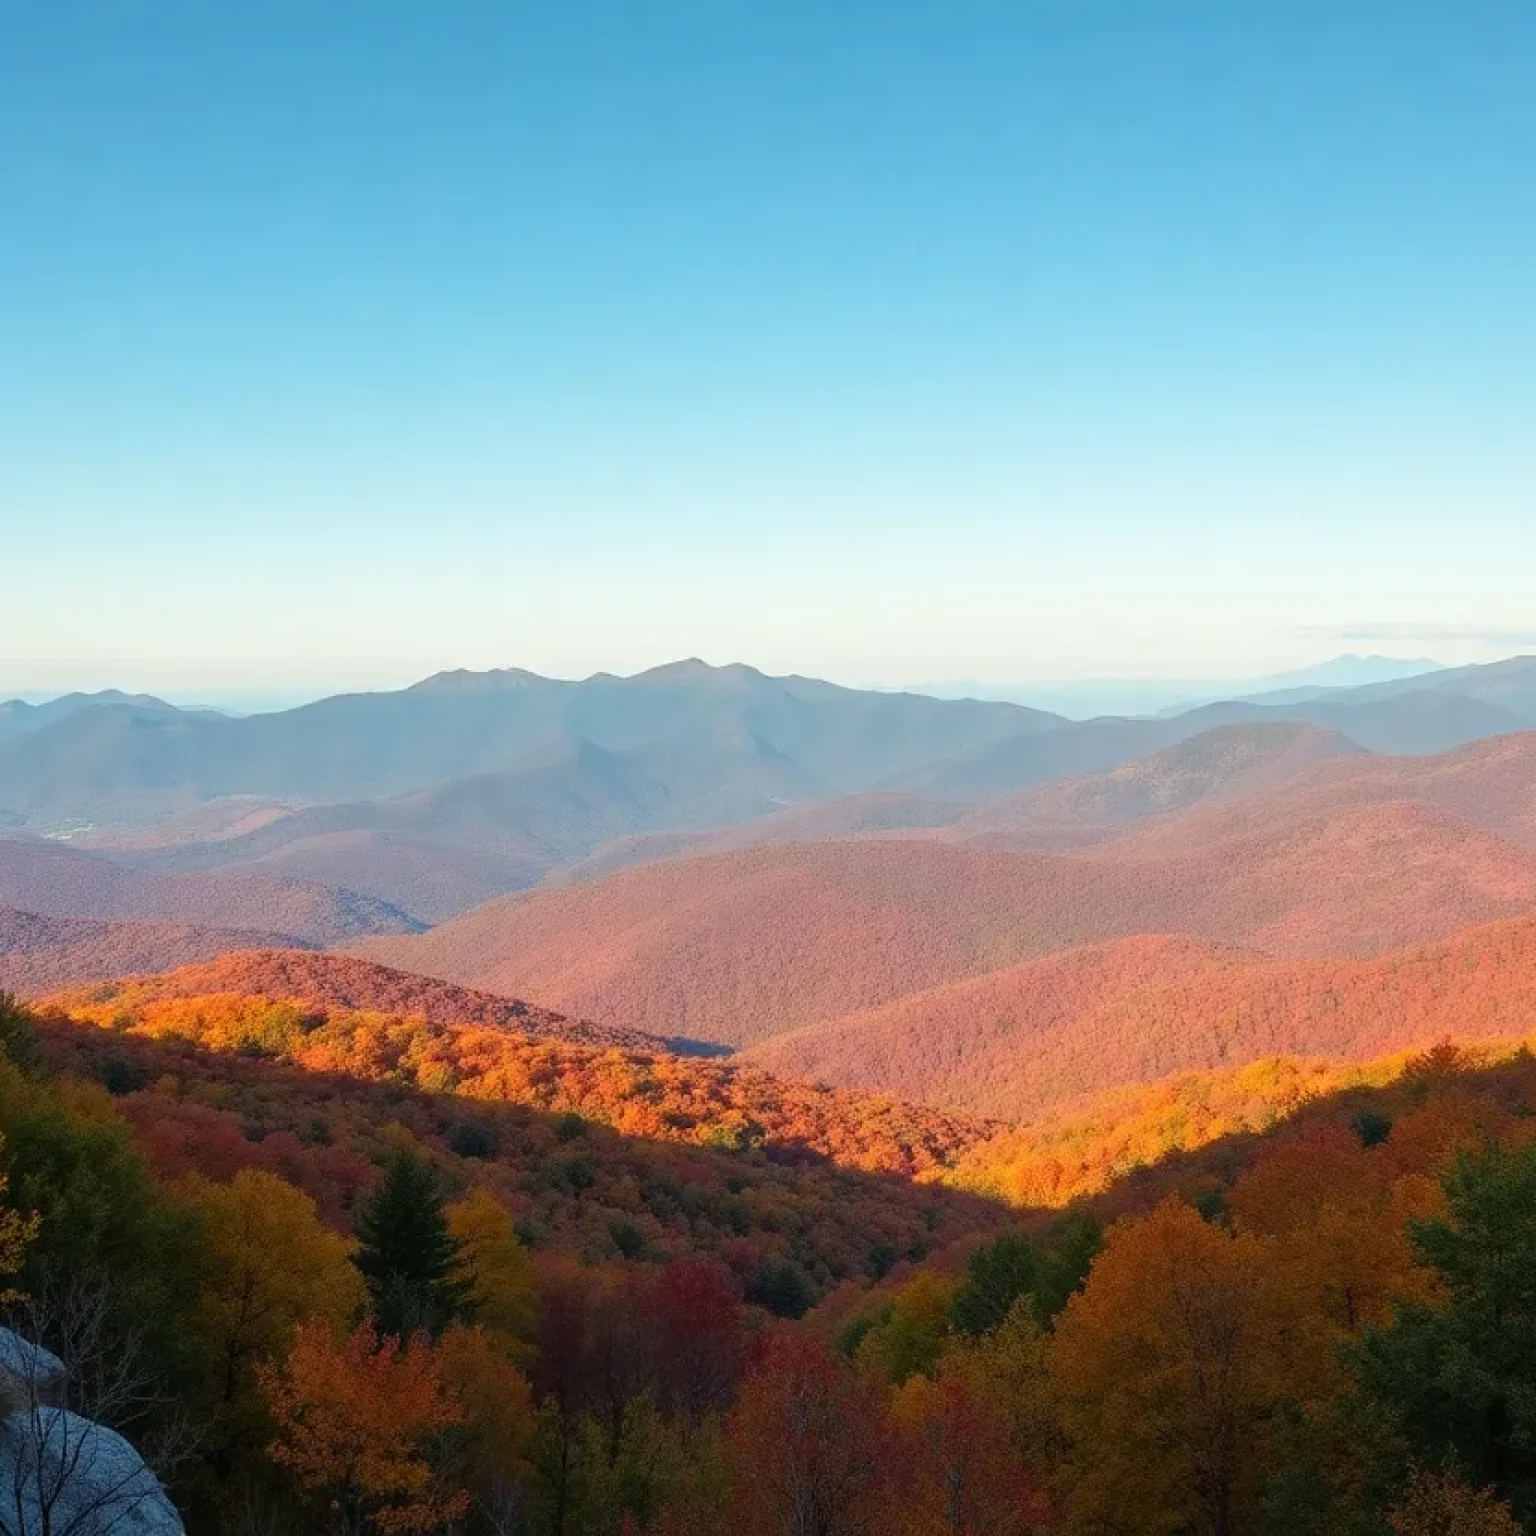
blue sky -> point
(996, 339)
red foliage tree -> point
(810, 1450)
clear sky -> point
(885, 341)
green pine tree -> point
(1014, 1265)
(407, 1256)
(18, 1035)
(996, 1275)
(1458, 1381)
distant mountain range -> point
(128, 762)
(1086, 699)
(981, 905)
(17, 717)
(467, 786)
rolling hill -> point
(325, 981)
(411, 1034)
(848, 816)
(435, 852)
(1352, 882)
(1050, 1030)
(209, 821)
(1489, 785)
(1241, 780)
(1414, 722)
(57, 880)
(737, 947)
(42, 954)
(1219, 764)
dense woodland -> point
(347, 1249)
(363, 1288)
(1023, 1039)
(743, 947)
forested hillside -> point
(42, 954)
(1139, 1154)
(57, 880)
(739, 947)
(318, 982)
(443, 1310)
(1019, 1040)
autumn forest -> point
(1006, 1128)
(767, 768)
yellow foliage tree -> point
(1011, 1368)
(910, 1338)
(1343, 1224)
(268, 1264)
(498, 1426)
(497, 1270)
(16, 1235)
(1170, 1368)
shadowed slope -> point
(328, 1115)
(1219, 764)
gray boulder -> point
(61, 1475)
(28, 1373)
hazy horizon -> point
(1124, 693)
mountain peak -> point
(462, 680)
(693, 669)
